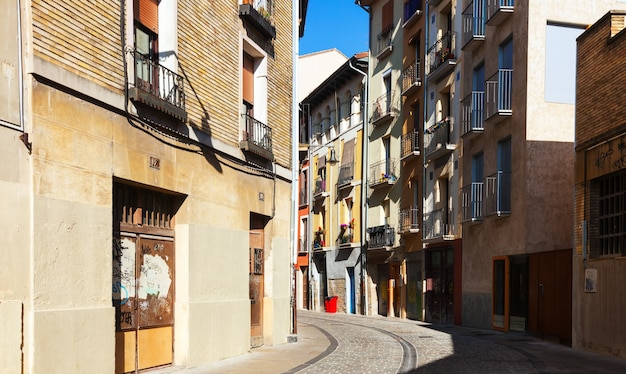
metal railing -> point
(381, 236)
(158, 80)
(319, 186)
(410, 143)
(384, 41)
(256, 132)
(473, 112)
(383, 171)
(437, 135)
(409, 219)
(498, 193)
(495, 6)
(441, 51)
(382, 106)
(411, 76)
(439, 223)
(498, 93)
(474, 21)
(472, 202)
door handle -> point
(541, 288)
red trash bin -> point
(330, 304)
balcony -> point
(410, 145)
(384, 44)
(437, 141)
(303, 246)
(381, 237)
(409, 221)
(411, 79)
(498, 96)
(158, 87)
(498, 194)
(412, 12)
(346, 175)
(473, 19)
(439, 224)
(434, 3)
(498, 11)
(441, 59)
(472, 202)
(259, 16)
(383, 110)
(383, 174)
(303, 197)
(472, 109)
(346, 237)
(319, 189)
(257, 137)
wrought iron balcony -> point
(410, 145)
(437, 141)
(472, 202)
(440, 56)
(384, 44)
(320, 188)
(303, 246)
(473, 19)
(259, 15)
(498, 194)
(498, 11)
(409, 220)
(411, 79)
(346, 175)
(383, 173)
(303, 197)
(412, 11)
(472, 109)
(346, 236)
(498, 96)
(381, 237)
(158, 87)
(257, 137)
(439, 224)
(383, 109)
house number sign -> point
(155, 163)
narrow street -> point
(343, 343)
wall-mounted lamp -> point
(333, 157)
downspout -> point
(364, 166)
(424, 180)
(294, 159)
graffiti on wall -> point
(607, 157)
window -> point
(477, 186)
(611, 215)
(146, 44)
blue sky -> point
(337, 24)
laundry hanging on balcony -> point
(444, 122)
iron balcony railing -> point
(437, 135)
(498, 193)
(410, 143)
(257, 133)
(439, 224)
(304, 195)
(303, 246)
(319, 186)
(474, 21)
(381, 236)
(472, 202)
(384, 42)
(382, 106)
(158, 81)
(409, 219)
(441, 51)
(346, 174)
(495, 7)
(383, 172)
(472, 108)
(411, 77)
(411, 7)
(498, 93)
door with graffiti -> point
(143, 296)
(256, 287)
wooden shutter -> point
(147, 13)
(387, 16)
(248, 78)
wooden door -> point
(500, 295)
(256, 287)
(554, 295)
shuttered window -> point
(147, 13)
(248, 78)
(387, 16)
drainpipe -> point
(294, 161)
(424, 180)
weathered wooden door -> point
(256, 287)
(143, 295)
